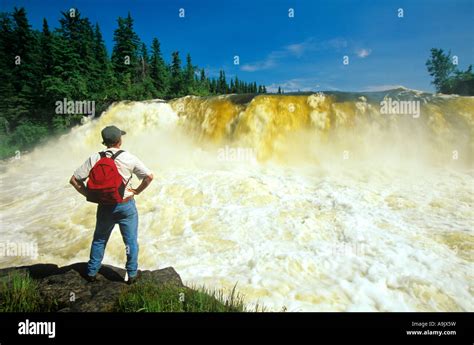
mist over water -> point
(333, 207)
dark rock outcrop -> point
(68, 287)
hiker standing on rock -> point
(108, 175)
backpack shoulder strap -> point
(116, 154)
(112, 155)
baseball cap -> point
(111, 134)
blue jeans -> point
(126, 216)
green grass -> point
(145, 296)
(20, 293)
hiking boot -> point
(133, 280)
(91, 279)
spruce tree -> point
(158, 70)
(46, 49)
(204, 85)
(143, 62)
(8, 115)
(189, 76)
(177, 80)
(75, 57)
(43, 103)
(237, 85)
(26, 68)
(222, 87)
(143, 88)
(125, 52)
(103, 79)
(213, 86)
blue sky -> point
(301, 53)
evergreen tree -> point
(43, 104)
(143, 62)
(213, 86)
(189, 76)
(74, 55)
(46, 49)
(125, 52)
(204, 84)
(237, 85)
(103, 82)
(26, 67)
(8, 115)
(177, 80)
(143, 88)
(158, 70)
(222, 84)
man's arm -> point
(81, 174)
(78, 185)
(145, 183)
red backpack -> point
(105, 185)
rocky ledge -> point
(73, 293)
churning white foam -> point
(317, 238)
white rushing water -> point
(351, 237)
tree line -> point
(38, 68)
(447, 78)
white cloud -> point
(298, 49)
(337, 43)
(312, 45)
(294, 50)
(269, 62)
(272, 59)
(363, 53)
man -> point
(123, 212)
